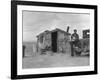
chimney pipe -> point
(67, 29)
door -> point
(54, 41)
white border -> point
(21, 71)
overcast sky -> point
(37, 22)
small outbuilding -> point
(56, 40)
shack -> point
(56, 41)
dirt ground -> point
(55, 60)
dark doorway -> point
(54, 41)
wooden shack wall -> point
(63, 43)
(46, 41)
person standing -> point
(74, 41)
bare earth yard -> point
(55, 60)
